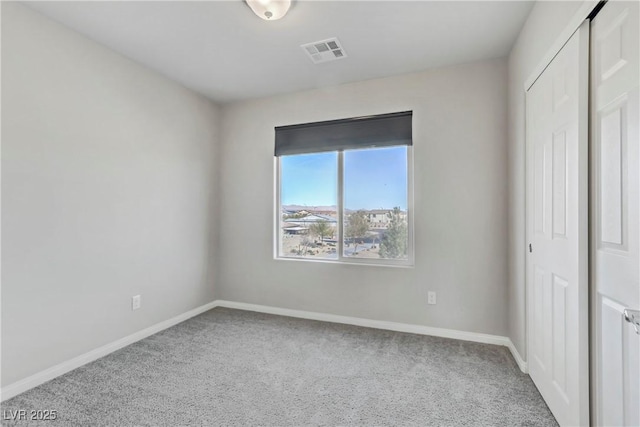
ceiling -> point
(222, 50)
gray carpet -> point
(229, 367)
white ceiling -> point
(222, 50)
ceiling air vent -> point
(324, 50)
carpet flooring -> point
(230, 367)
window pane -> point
(308, 213)
(375, 203)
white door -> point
(557, 229)
(615, 226)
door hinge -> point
(530, 248)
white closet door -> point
(557, 229)
(615, 229)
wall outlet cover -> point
(431, 297)
(136, 302)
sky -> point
(373, 178)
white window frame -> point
(341, 259)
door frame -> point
(585, 11)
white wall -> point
(107, 178)
(460, 157)
(545, 23)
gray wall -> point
(460, 157)
(545, 23)
(107, 178)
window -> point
(308, 211)
(344, 190)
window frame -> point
(341, 258)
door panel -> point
(612, 167)
(559, 201)
(557, 180)
(537, 329)
(615, 229)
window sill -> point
(366, 263)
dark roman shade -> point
(334, 135)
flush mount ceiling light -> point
(269, 10)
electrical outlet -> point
(136, 302)
(431, 297)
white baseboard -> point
(48, 374)
(519, 360)
(381, 324)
